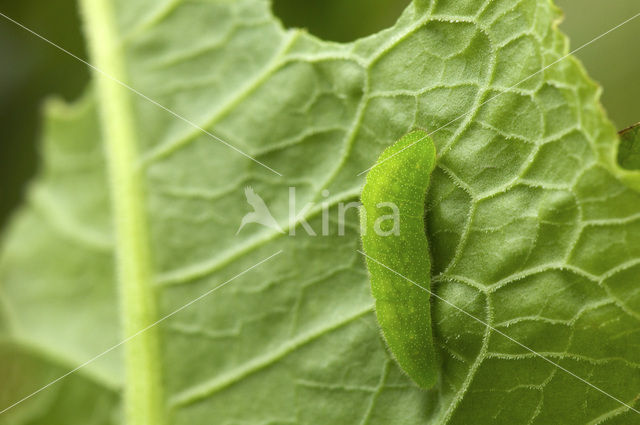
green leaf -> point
(533, 226)
(629, 149)
(397, 251)
(77, 400)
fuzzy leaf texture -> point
(532, 225)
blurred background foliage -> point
(31, 69)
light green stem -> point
(143, 395)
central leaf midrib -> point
(143, 392)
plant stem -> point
(143, 395)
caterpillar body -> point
(398, 261)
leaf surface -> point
(629, 149)
(532, 225)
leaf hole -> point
(339, 20)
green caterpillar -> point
(397, 252)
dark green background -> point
(30, 69)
